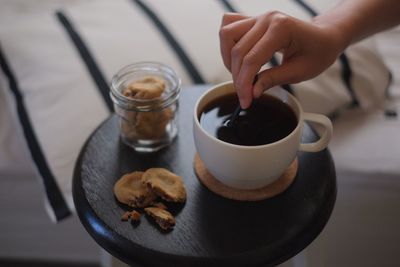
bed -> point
(57, 58)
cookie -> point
(145, 124)
(165, 184)
(130, 190)
(152, 124)
(148, 87)
(162, 217)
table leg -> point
(107, 260)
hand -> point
(247, 43)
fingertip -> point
(245, 97)
(258, 90)
(256, 93)
(244, 103)
(264, 83)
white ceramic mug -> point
(251, 167)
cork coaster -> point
(271, 190)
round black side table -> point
(210, 230)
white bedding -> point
(365, 145)
(364, 227)
(367, 140)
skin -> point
(307, 48)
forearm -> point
(247, 43)
(354, 20)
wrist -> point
(340, 33)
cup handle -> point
(326, 136)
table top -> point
(210, 230)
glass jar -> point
(146, 123)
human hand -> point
(247, 43)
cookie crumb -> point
(126, 216)
(135, 215)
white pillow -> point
(62, 64)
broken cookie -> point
(130, 190)
(141, 189)
(162, 217)
(126, 216)
(165, 184)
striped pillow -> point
(57, 59)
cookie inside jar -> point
(146, 124)
(145, 97)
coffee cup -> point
(252, 167)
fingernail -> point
(243, 103)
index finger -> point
(228, 18)
(234, 26)
(259, 54)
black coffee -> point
(266, 121)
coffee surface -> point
(266, 121)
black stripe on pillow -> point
(228, 6)
(180, 52)
(274, 62)
(53, 193)
(307, 8)
(346, 73)
(87, 57)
